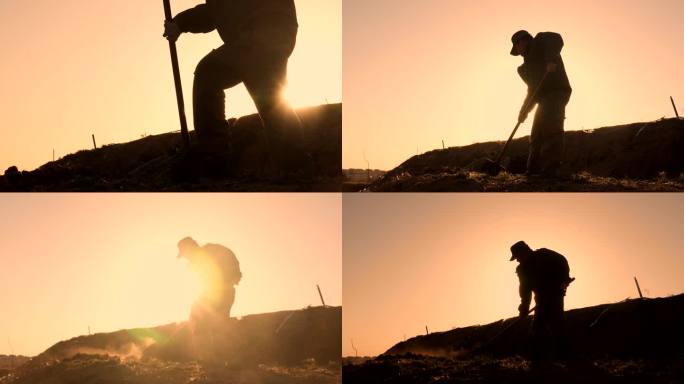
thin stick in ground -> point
(638, 287)
(356, 351)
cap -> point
(518, 36)
(518, 248)
(185, 244)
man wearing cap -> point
(544, 72)
(219, 271)
(547, 274)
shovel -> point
(494, 167)
(177, 81)
(482, 347)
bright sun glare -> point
(195, 285)
(189, 283)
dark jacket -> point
(237, 21)
(543, 49)
(546, 273)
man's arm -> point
(195, 20)
(525, 294)
(527, 106)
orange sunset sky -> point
(72, 68)
(412, 260)
(419, 72)
(108, 261)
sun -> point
(195, 284)
(188, 283)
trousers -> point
(546, 140)
(548, 327)
(261, 66)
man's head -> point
(520, 251)
(520, 40)
(187, 247)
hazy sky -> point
(418, 72)
(70, 261)
(72, 68)
(413, 260)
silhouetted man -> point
(546, 274)
(219, 272)
(259, 37)
(543, 71)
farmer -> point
(259, 37)
(219, 271)
(546, 273)
(543, 71)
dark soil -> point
(104, 369)
(241, 160)
(633, 157)
(282, 347)
(418, 369)
(635, 341)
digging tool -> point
(509, 326)
(177, 80)
(494, 167)
(504, 330)
(517, 320)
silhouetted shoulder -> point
(219, 250)
(226, 260)
(552, 263)
(549, 254)
(550, 40)
(548, 36)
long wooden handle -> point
(527, 104)
(177, 81)
(505, 329)
(510, 138)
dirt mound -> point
(634, 341)
(158, 163)
(640, 156)
(287, 344)
(633, 328)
